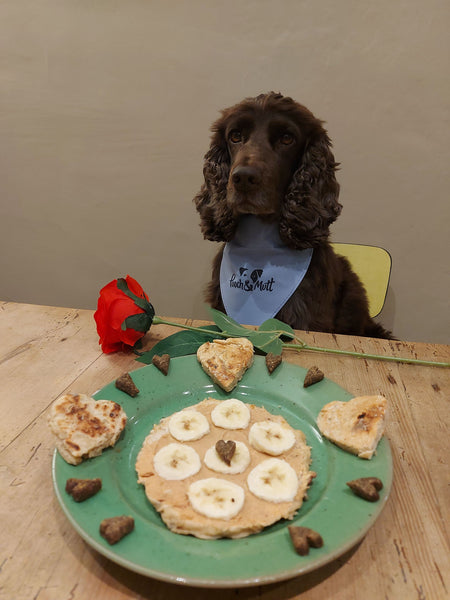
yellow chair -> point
(373, 266)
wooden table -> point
(46, 351)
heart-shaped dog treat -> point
(273, 361)
(225, 361)
(126, 384)
(82, 489)
(356, 425)
(226, 450)
(366, 487)
(161, 362)
(314, 375)
(115, 528)
(304, 538)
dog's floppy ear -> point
(216, 219)
(311, 202)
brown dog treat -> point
(115, 528)
(366, 487)
(82, 489)
(313, 375)
(226, 450)
(303, 538)
(125, 384)
(161, 362)
(273, 361)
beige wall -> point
(104, 114)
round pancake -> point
(170, 498)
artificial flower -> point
(124, 314)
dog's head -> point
(271, 157)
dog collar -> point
(258, 273)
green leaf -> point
(140, 322)
(282, 329)
(141, 302)
(228, 325)
(266, 342)
(266, 338)
(180, 343)
(275, 347)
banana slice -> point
(176, 461)
(273, 480)
(271, 437)
(216, 498)
(231, 414)
(188, 425)
(239, 461)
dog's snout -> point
(245, 178)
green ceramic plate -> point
(151, 549)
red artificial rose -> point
(113, 307)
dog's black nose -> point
(245, 178)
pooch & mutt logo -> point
(252, 282)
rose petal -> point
(135, 287)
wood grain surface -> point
(47, 351)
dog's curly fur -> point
(269, 156)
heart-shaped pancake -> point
(356, 425)
(84, 427)
(225, 361)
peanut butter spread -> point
(171, 497)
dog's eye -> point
(235, 136)
(287, 139)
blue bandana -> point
(258, 273)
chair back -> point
(373, 266)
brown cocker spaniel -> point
(271, 158)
